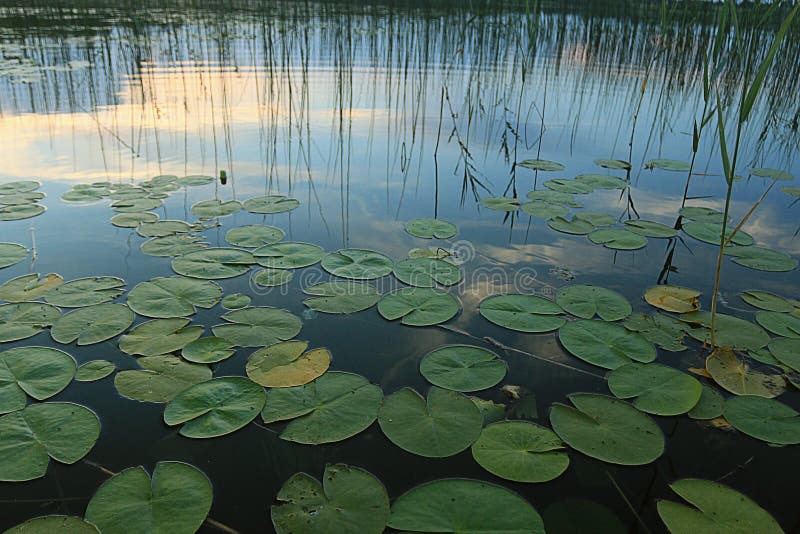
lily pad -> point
(651, 229)
(543, 210)
(216, 407)
(20, 211)
(792, 191)
(357, 264)
(161, 379)
(430, 228)
(663, 330)
(607, 429)
(656, 389)
(606, 345)
(62, 431)
(596, 218)
(234, 301)
(730, 331)
(272, 277)
(427, 272)
(135, 204)
(271, 204)
(418, 306)
(40, 372)
(173, 245)
(86, 291)
(786, 351)
(762, 259)
(258, 326)
(717, 508)
(464, 506)
(554, 197)
(602, 181)
(764, 419)
(159, 336)
(773, 174)
(617, 239)
(462, 368)
(287, 364)
(711, 233)
(208, 350)
(520, 451)
(132, 220)
(25, 319)
(523, 313)
(11, 253)
(177, 499)
(339, 296)
(702, 214)
(574, 226)
(587, 301)
(288, 255)
(349, 499)
(92, 324)
(501, 203)
(29, 287)
(667, 165)
(673, 298)
(616, 164)
(444, 425)
(736, 376)
(254, 235)
(54, 523)
(568, 186)
(333, 407)
(163, 228)
(710, 406)
(19, 186)
(766, 301)
(214, 263)
(216, 208)
(94, 370)
(780, 324)
(542, 165)
(174, 296)
(195, 179)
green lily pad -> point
(135, 204)
(774, 174)
(736, 376)
(780, 324)
(717, 508)
(20, 211)
(570, 186)
(596, 218)
(662, 330)
(62, 431)
(92, 324)
(762, 259)
(208, 350)
(616, 164)
(673, 298)
(710, 406)
(418, 306)
(586, 301)
(195, 179)
(554, 197)
(339, 296)
(656, 389)
(16, 199)
(730, 331)
(543, 210)
(463, 368)
(163, 228)
(709, 232)
(94, 370)
(40, 372)
(349, 499)
(19, 186)
(607, 429)
(258, 326)
(11, 253)
(177, 499)
(444, 425)
(430, 228)
(173, 245)
(85, 195)
(667, 165)
(287, 364)
(173, 296)
(573, 226)
(617, 239)
(159, 336)
(54, 523)
(271, 204)
(216, 208)
(520, 451)
(288, 255)
(792, 191)
(254, 235)
(464, 506)
(22, 320)
(132, 220)
(501, 203)
(651, 229)
(602, 181)
(702, 214)
(234, 301)
(272, 277)
(214, 263)
(333, 407)
(542, 165)
(523, 313)
(86, 291)
(216, 407)
(606, 345)
(357, 264)
(427, 272)
(764, 419)
(766, 301)
(29, 287)
(161, 378)
(490, 411)
(786, 351)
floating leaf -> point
(161, 379)
(216, 208)
(656, 389)
(86, 291)
(20, 211)
(490, 410)
(11, 253)
(271, 204)
(667, 165)
(554, 197)
(780, 324)
(340, 296)
(177, 499)
(602, 181)
(418, 306)
(523, 313)
(135, 205)
(92, 324)
(462, 368)
(41, 372)
(349, 499)
(173, 245)
(288, 255)
(464, 506)
(159, 336)
(574, 226)
(616, 164)
(538, 208)
(427, 272)
(730, 331)
(793, 191)
(287, 364)
(764, 419)
(607, 429)
(651, 229)
(617, 239)
(663, 330)
(258, 326)
(21, 198)
(20, 186)
(762, 259)
(520, 451)
(173, 296)
(606, 345)
(272, 277)
(710, 405)
(195, 179)
(333, 407)
(214, 263)
(255, 235)
(736, 377)
(702, 214)
(430, 228)
(501, 203)
(62, 431)
(54, 523)
(163, 228)
(773, 174)
(786, 351)
(24, 319)
(718, 508)
(568, 186)
(673, 298)
(357, 264)
(709, 232)
(234, 301)
(596, 218)
(29, 287)
(766, 301)
(541, 165)
(94, 370)
(208, 350)
(586, 301)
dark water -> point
(372, 116)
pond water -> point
(372, 116)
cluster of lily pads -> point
(20, 200)
(287, 383)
